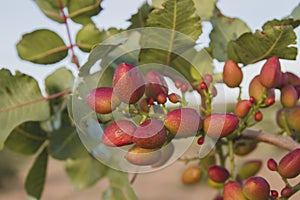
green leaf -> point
(272, 41)
(296, 12)
(119, 187)
(139, 19)
(158, 3)
(127, 52)
(98, 52)
(81, 11)
(183, 27)
(65, 142)
(205, 8)
(198, 63)
(26, 139)
(16, 94)
(177, 15)
(51, 9)
(60, 80)
(36, 177)
(89, 36)
(283, 22)
(42, 47)
(85, 172)
(224, 30)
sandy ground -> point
(164, 184)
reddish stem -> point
(65, 18)
(54, 96)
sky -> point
(23, 16)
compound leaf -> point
(274, 40)
(224, 30)
(178, 27)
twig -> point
(284, 142)
(133, 178)
(67, 91)
(65, 18)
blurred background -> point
(18, 17)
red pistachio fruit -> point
(155, 84)
(161, 98)
(293, 79)
(191, 175)
(293, 118)
(233, 191)
(256, 188)
(183, 122)
(286, 192)
(144, 106)
(242, 108)
(272, 164)
(166, 153)
(289, 165)
(128, 83)
(102, 100)
(242, 147)
(118, 133)
(270, 74)
(174, 98)
(218, 174)
(140, 156)
(289, 96)
(232, 74)
(258, 116)
(150, 134)
(220, 125)
(256, 89)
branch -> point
(284, 142)
(65, 18)
(54, 96)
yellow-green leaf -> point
(139, 19)
(51, 9)
(42, 46)
(205, 8)
(296, 12)
(178, 28)
(90, 35)
(224, 30)
(81, 11)
(21, 101)
(274, 40)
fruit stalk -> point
(296, 188)
(231, 157)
